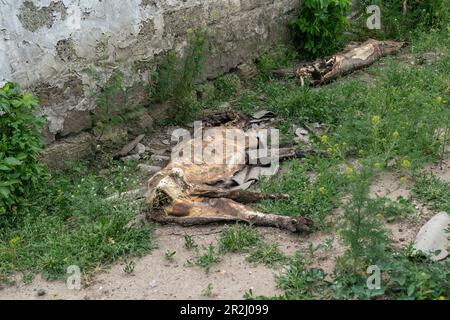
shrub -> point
(176, 76)
(320, 25)
(20, 144)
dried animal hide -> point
(354, 58)
(192, 194)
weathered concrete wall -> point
(60, 48)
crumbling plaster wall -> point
(60, 48)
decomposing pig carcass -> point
(206, 183)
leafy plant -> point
(361, 231)
(169, 255)
(189, 242)
(300, 281)
(208, 291)
(20, 144)
(129, 266)
(208, 259)
(175, 77)
(320, 24)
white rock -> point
(152, 284)
(433, 236)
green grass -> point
(67, 222)
(312, 199)
(238, 238)
(208, 259)
(433, 191)
(268, 254)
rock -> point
(76, 122)
(111, 136)
(157, 157)
(152, 284)
(129, 195)
(433, 236)
(133, 157)
(144, 168)
(78, 147)
(49, 137)
(130, 146)
(40, 292)
(140, 149)
(159, 151)
(301, 135)
(166, 142)
(145, 122)
(301, 132)
(246, 71)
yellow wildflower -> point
(324, 138)
(349, 170)
(330, 150)
(322, 190)
(441, 298)
(377, 165)
(376, 119)
(379, 216)
(395, 134)
(406, 163)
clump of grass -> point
(189, 242)
(299, 281)
(129, 266)
(266, 253)
(169, 255)
(432, 190)
(209, 258)
(238, 238)
(208, 291)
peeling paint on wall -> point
(56, 48)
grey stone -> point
(133, 157)
(40, 292)
(144, 168)
(157, 157)
(130, 146)
(77, 147)
(76, 122)
(140, 149)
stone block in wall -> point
(76, 122)
(59, 154)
